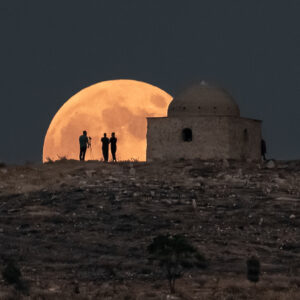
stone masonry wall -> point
(213, 138)
(245, 138)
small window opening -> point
(187, 135)
(184, 108)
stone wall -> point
(245, 138)
(213, 138)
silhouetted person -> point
(113, 146)
(105, 143)
(83, 142)
(263, 148)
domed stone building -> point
(203, 122)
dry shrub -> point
(59, 159)
(117, 292)
(9, 293)
(56, 219)
(232, 293)
(39, 294)
(49, 160)
(62, 158)
(125, 296)
(184, 294)
(148, 295)
(253, 269)
(238, 293)
(287, 295)
(11, 274)
(175, 255)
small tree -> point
(12, 275)
(176, 255)
(253, 269)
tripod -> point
(90, 147)
(91, 153)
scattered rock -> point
(90, 173)
(228, 177)
(225, 163)
(194, 203)
(132, 172)
(280, 181)
(240, 172)
(283, 166)
(172, 297)
(270, 164)
(283, 198)
(114, 214)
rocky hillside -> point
(81, 230)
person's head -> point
(84, 132)
(104, 134)
(113, 134)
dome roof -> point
(202, 99)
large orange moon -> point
(119, 106)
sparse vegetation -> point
(78, 236)
(11, 272)
(49, 160)
(62, 158)
(176, 255)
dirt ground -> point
(81, 230)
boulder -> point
(270, 164)
(3, 171)
(132, 171)
(90, 173)
(225, 163)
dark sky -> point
(52, 49)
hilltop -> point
(81, 230)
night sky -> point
(52, 49)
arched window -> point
(187, 135)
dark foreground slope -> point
(80, 230)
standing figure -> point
(263, 149)
(105, 143)
(113, 146)
(83, 143)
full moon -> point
(119, 106)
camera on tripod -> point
(89, 142)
